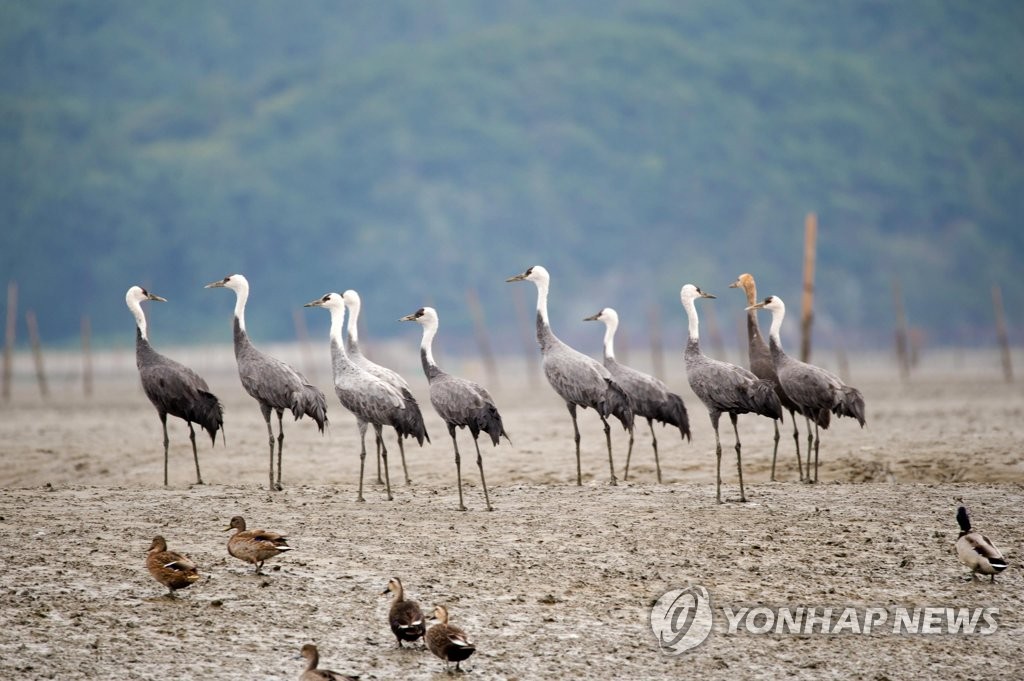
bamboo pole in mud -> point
(525, 323)
(86, 356)
(807, 308)
(483, 340)
(657, 348)
(37, 351)
(902, 351)
(12, 321)
(1001, 333)
(302, 335)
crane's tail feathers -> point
(489, 421)
(850, 403)
(673, 412)
(409, 421)
(764, 401)
(617, 404)
(208, 413)
(310, 401)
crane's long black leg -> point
(810, 444)
(362, 456)
(384, 456)
(265, 409)
(608, 439)
(796, 440)
(195, 453)
(380, 480)
(167, 442)
(817, 442)
(576, 436)
(775, 449)
(401, 450)
(458, 464)
(739, 463)
(480, 465)
(629, 455)
(280, 446)
(718, 458)
(654, 443)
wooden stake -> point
(37, 351)
(302, 334)
(657, 350)
(12, 321)
(483, 341)
(807, 310)
(714, 333)
(1001, 333)
(86, 356)
(902, 351)
(525, 323)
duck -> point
(312, 656)
(975, 550)
(405, 616)
(171, 569)
(448, 641)
(254, 546)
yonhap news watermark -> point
(682, 619)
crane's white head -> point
(425, 315)
(235, 282)
(351, 299)
(332, 301)
(772, 303)
(690, 293)
(537, 274)
(607, 315)
(137, 294)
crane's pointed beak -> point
(156, 298)
(735, 284)
(518, 277)
(408, 318)
(706, 295)
(314, 303)
(215, 284)
(755, 306)
(592, 318)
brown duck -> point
(171, 569)
(405, 617)
(448, 641)
(254, 546)
(312, 656)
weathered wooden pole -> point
(12, 322)
(302, 335)
(902, 351)
(807, 309)
(37, 350)
(86, 356)
(483, 340)
(657, 349)
(1001, 333)
(525, 323)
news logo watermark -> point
(682, 619)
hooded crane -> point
(578, 379)
(648, 396)
(817, 393)
(353, 305)
(460, 403)
(173, 388)
(723, 387)
(272, 383)
(761, 366)
(370, 399)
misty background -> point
(420, 151)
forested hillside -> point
(413, 150)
